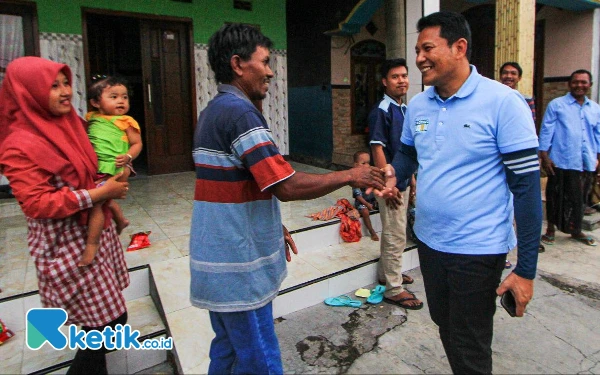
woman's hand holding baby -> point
(116, 189)
(111, 189)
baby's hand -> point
(122, 160)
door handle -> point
(149, 95)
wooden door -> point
(168, 96)
(482, 19)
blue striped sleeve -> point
(523, 177)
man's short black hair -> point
(391, 64)
(514, 65)
(453, 26)
(581, 71)
(233, 39)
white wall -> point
(567, 41)
(415, 9)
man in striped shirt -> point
(474, 143)
(238, 246)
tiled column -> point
(515, 36)
(395, 25)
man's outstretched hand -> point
(367, 177)
(389, 189)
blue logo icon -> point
(43, 325)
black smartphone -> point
(508, 302)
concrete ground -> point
(560, 332)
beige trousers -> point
(393, 243)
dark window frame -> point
(28, 11)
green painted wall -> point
(64, 16)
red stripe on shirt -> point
(268, 143)
(271, 170)
(229, 192)
(200, 165)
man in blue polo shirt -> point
(569, 147)
(474, 143)
(385, 129)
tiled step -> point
(325, 266)
(142, 316)
(591, 222)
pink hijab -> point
(58, 144)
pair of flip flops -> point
(547, 239)
(373, 296)
(342, 300)
(376, 295)
(402, 303)
(587, 240)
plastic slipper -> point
(362, 292)
(548, 240)
(406, 280)
(586, 240)
(376, 295)
(401, 303)
(343, 300)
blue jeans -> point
(245, 343)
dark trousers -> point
(461, 294)
(88, 361)
(567, 194)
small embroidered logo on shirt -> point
(467, 126)
(421, 125)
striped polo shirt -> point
(237, 257)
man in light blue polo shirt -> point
(569, 147)
(474, 143)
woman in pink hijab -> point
(50, 164)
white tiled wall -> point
(139, 285)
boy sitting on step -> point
(363, 202)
